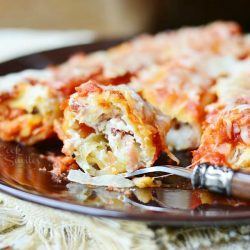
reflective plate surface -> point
(25, 174)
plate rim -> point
(159, 218)
(155, 218)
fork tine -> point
(168, 169)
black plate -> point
(25, 174)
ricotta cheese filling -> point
(184, 136)
(111, 149)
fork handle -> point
(240, 185)
(221, 180)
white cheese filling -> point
(183, 137)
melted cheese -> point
(8, 82)
(33, 97)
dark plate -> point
(25, 174)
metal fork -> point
(219, 179)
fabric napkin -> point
(24, 225)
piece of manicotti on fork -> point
(110, 130)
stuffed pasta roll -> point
(111, 130)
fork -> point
(215, 178)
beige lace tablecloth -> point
(25, 225)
